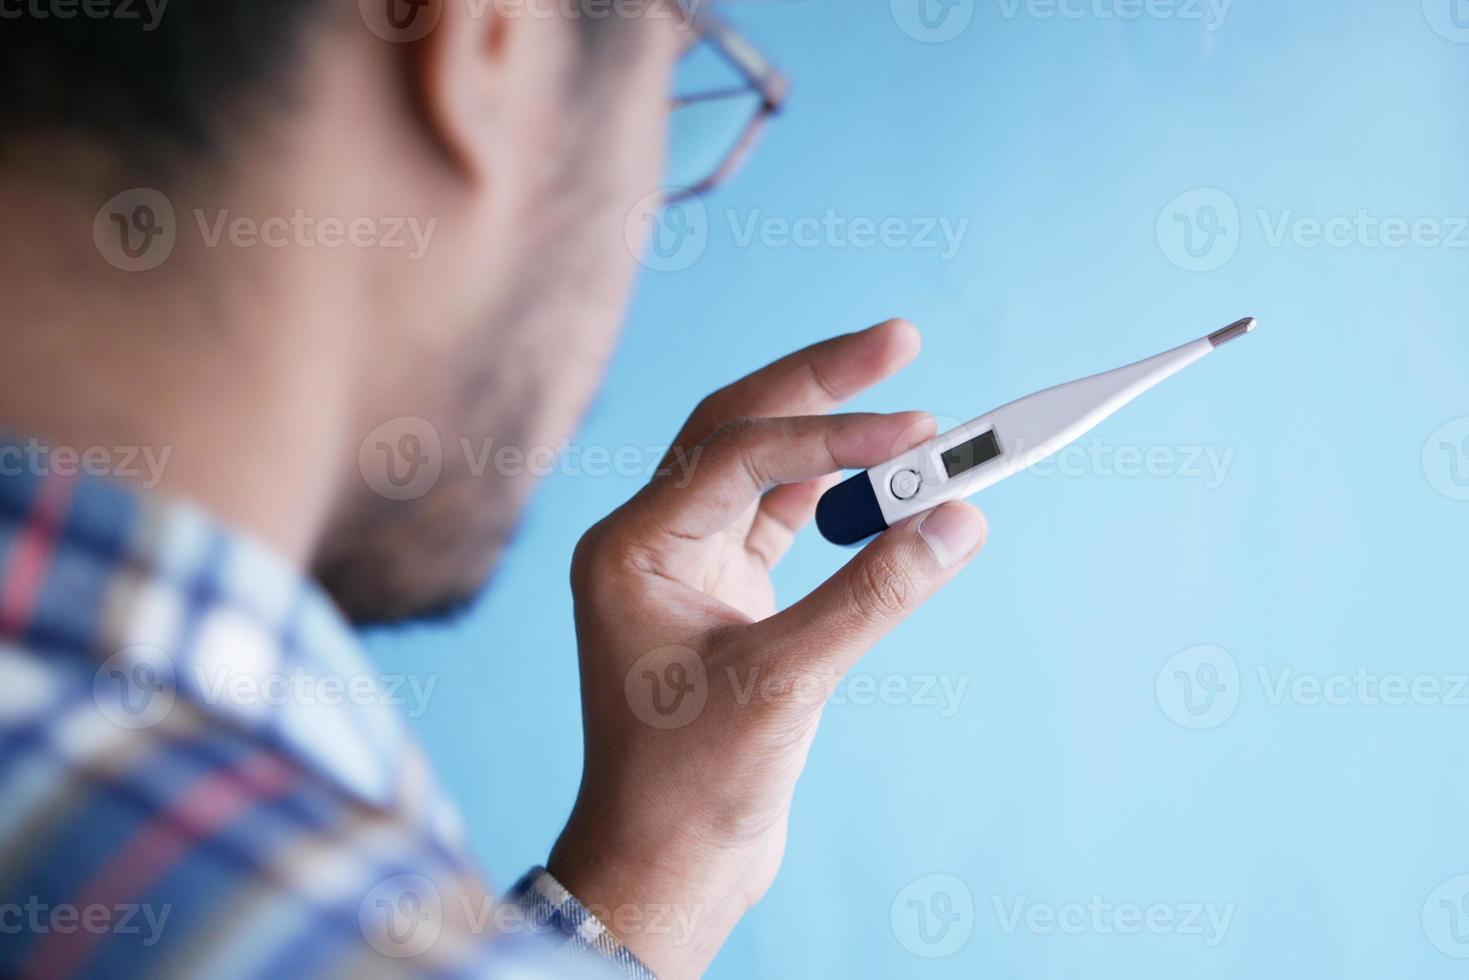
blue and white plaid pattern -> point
(171, 804)
(550, 907)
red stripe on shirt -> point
(200, 812)
(20, 581)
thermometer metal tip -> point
(1236, 329)
(986, 450)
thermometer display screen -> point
(976, 452)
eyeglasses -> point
(735, 92)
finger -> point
(812, 381)
(736, 466)
(782, 514)
(787, 509)
(832, 627)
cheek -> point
(627, 117)
(648, 135)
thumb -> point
(876, 590)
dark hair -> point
(151, 78)
(148, 76)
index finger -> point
(746, 458)
(812, 381)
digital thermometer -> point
(981, 453)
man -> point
(189, 516)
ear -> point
(463, 69)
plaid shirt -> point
(199, 775)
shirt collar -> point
(170, 603)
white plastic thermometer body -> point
(1005, 441)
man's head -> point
(479, 157)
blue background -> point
(1064, 775)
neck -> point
(228, 367)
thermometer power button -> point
(905, 484)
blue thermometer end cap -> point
(848, 513)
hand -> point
(700, 699)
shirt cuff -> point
(554, 912)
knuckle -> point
(713, 409)
(599, 550)
(738, 433)
(737, 441)
(885, 590)
(584, 559)
(819, 379)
